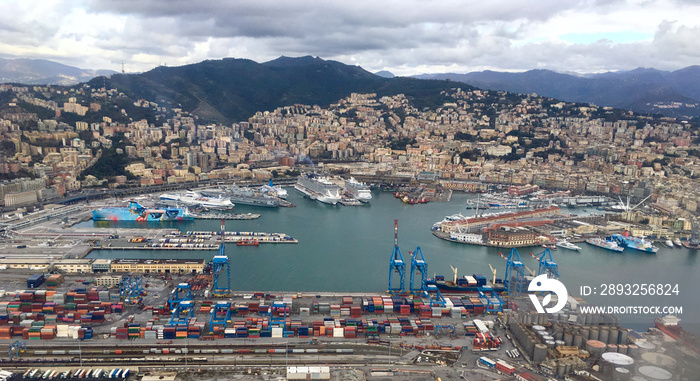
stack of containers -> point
(104, 296)
(355, 312)
(133, 330)
(335, 310)
(54, 281)
(205, 307)
(120, 333)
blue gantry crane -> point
(16, 348)
(418, 264)
(131, 289)
(278, 314)
(396, 265)
(182, 292)
(221, 267)
(183, 312)
(436, 298)
(515, 274)
(220, 315)
(547, 264)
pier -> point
(226, 216)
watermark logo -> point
(543, 284)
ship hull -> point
(603, 246)
(126, 214)
(315, 196)
(454, 289)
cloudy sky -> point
(403, 36)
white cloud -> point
(405, 37)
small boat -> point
(678, 242)
(550, 247)
(668, 243)
(568, 245)
(248, 242)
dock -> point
(349, 202)
(226, 216)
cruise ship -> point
(358, 190)
(247, 196)
(318, 188)
(603, 244)
(634, 243)
(194, 198)
(137, 212)
(274, 191)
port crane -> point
(220, 315)
(396, 265)
(221, 266)
(131, 289)
(278, 314)
(181, 293)
(515, 273)
(547, 264)
(418, 264)
(183, 312)
(16, 348)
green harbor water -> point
(347, 249)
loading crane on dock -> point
(131, 289)
(419, 264)
(397, 265)
(221, 266)
(436, 298)
(16, 348)
(547, 264)
(515, 273)
(220, 315)
(183, 312)
(278, 314)
(181, 293)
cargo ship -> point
(193, 198)
(634, 243)
(468, 284)
(318, 188)
(669, 325)
(358, 190)
(274, 191)
(607, 245)
(137, 212)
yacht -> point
(568, 245)
(318, 188)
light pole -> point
(80, 353)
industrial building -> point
(150, 266)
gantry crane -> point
(221, 266)
(515, 274)
(547, 264)
(182, 292)
(396, 265)
(183, 312)
(16, 348)
(131, 289)
(419, 264)
(220, 315)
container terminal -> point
(156, 318)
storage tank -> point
(611, 348)
(550, 344)
(561, 369)
(538, 328)
(624, 336)
(578, 340)
(660, 360)
(654, 373)
(614, 336)
(595, 334)
(621, 374)
(595, 347)
(604, 335)
(585, 333)
(645, 346)
(540, 353)
(559, 343)
(622, 348)
(569, 339)
(633, 351)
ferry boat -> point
(318, 188)
(194, 198)
(274, 191)
(568, 245)
(137, 212)
(603, 244)
(634, 243)
(358, 190)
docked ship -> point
(358, 190)
(318, 188)
(603, 244)
(568, 245)
(137, 212)
(274, 191)
(634, 243)
(244, 196)
(668, 324)
(468, 284)
(197, 199)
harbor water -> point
(347, 249)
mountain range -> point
(232, 90)
(670, 93)
(44, 72)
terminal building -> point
(151, 266)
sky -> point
(405, 37)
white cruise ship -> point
(194, 198)
(274, 191)
(318, 188)
(358, 190)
